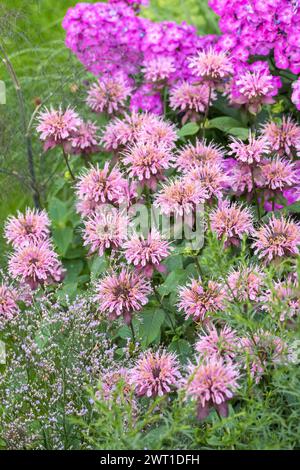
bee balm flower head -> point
(155, 374)
(212, 383)
(122, 294)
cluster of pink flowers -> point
(265, 165)
(34, 261)
(58, 127)
(109, 38)
(253, 27)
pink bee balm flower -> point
(212, 66)
(105, 229)
(121, 132)
(84, 140)
(254, 87)
(198, 301)
(222, 344)
(211, 177)
(98, 186)
(155, 374)
(56, 127)
(191, 98)
(159, 131)
(33, 226)
(278, 174)
(159, 69)
(180, 196)
(279, 237)
(241, 176)
(283, 297)
(8, 303)
(245, 283)
(283, 138)
(212, 383)
(250, 153)
(199, 153)
(109, 94)
(122, 294)
(36, 264)
(147, 162)
(263, 351)
(231, 222)
(147, 254)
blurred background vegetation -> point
(33, 39)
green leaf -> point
(58, 211)
(74, 268)
(176, 277)
(152, 322)
(98, 266)
(293, 208)
(62, 237)
(174, 262)
(182, 348)
(190, 128)
(224, 123)
(239, 132)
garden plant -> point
(150, 232)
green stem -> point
(255, 195)
(132, 331)
(67, 163)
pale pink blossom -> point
(9, 308)
(122, 294)
(155, 374)
(199, 300)
(277, 238)
(180, 196)
(109, 94)
(56, 127)
(198, 154)
(147, 254)
(212, 383)
(231, 222)
(32, 226)
(105, 229)
(36, 264)
(223, 343)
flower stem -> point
(132, 331)
(67, 163)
